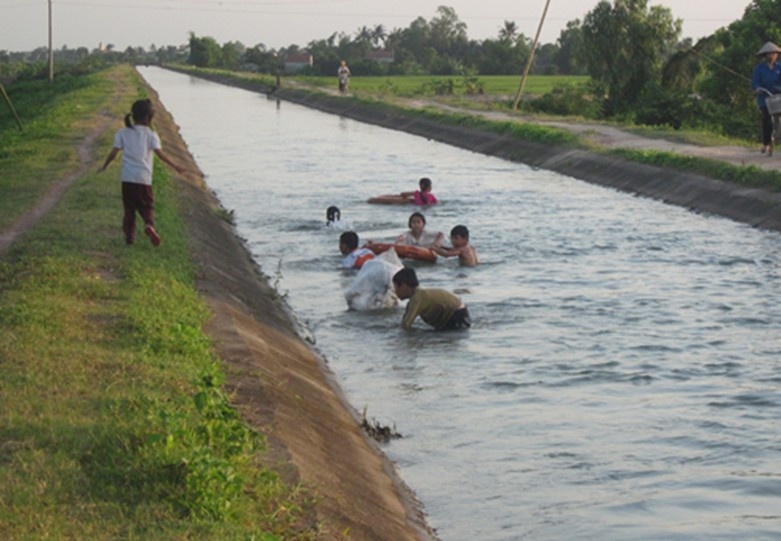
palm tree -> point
(363, 35)
(508, 31)
(378, 35)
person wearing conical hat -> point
(766, 80)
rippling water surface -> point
(622, 377)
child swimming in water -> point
(333, 219)
(354, 257)
(459, 238)
(423, 195)
(418, 236)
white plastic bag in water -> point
(372, 288)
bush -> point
(568, 99)
(662, 107)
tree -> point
(685, 67)
(729, 60)
(326, 55)
(502, 56)
(509, 31)
(545, 60)
(733, 53)
(265, 61)
(625, 46)
(448, 33)
(363, 34)
(231, 54)
(204, 52)
(378, 35)
(569, 58)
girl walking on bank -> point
(138, 141)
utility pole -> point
(51, 46)
(10, 106)
(531, 58)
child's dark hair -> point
(349, 239)
(140, 110)
(460, 231)
(425, 185)
(406, 276)
(333, 214)
(416, 215)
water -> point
(622, 377)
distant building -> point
(297, 62)
(381, 56)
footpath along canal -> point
(621, 380)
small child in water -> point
(354, 257)
(417, 234)
(459, 238)
(423, 196)
(333, 219)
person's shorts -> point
(459, 320)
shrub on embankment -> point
(112, 421)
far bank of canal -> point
(753, 206)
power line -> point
(238, 7)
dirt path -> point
(600, 135)
(86, 153)
(610, 137)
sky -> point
(279, 23)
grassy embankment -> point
(112, 421)
(384, 92)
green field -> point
(498, 85)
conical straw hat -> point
(769, 47)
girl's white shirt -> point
(137, 145)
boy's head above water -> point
(348, 241)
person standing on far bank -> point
(138, 142)
(766, 80)
(344, 77)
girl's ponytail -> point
(425, 185)
(127, 121)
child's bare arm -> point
(447, 252)
(164, 157)
(111, 155)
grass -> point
(260, 82)
(407, 85)
(749, 176)
(522, 130)
(112, 419)
(47, 111)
